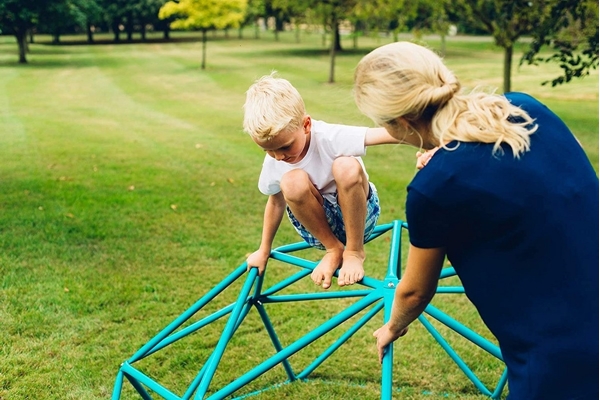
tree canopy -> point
(204, 15)
(571, 32)
(562, 31)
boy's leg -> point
(353, 190)
(306, 203)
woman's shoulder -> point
(454, 162)
(520, 97)
(528, 103)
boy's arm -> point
(377, 136)
(272, 219)
(423, 158)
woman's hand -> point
(385, 336)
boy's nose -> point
(279, 156)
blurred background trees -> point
(561, 31)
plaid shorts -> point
(336, 220)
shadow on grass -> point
(37, 58)
(305, 52)
(100, 42)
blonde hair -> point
(272, 106)
(403, 79)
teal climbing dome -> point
(373, 297)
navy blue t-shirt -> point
(522, 234)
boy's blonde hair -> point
(403, 79)
(272, 106)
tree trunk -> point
(203, 48)
(166, 31)
(129, 28)
(256, 29)
(278, 24)
(90, 34)
(31, 36)
(334, 46)
(56, 38)
(337, 39)
(143, 29)
(116, 31)
(443, 45)
(508, 52)
(22, 42)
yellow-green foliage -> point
(204, 14)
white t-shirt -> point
(327, 142)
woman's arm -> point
(413, 294)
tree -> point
(276, 10)
(114, 13)
(571, 31)
(93, 15)
(17, 17)
(506, 21)
(384, 14)
(439, 18)
(332, 12)
(62, 16)
(255, 10)
(294, 11)
(145, 12)
(204, 15)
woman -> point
(511, 199)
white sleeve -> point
(270, 178)
(344, 140)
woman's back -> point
(519, 231)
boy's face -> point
(289, 146)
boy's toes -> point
(316, 278)
(350, 279)
(359, 276)
(343, 280)
(326, 283)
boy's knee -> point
(347, 171)
(295, 184)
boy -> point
(313, 171)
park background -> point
(128, 190)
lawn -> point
(128, 190)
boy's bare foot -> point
(323, 273)
(352, 269)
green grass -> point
(128, 190)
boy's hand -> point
(258, 259)
(423, 158)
